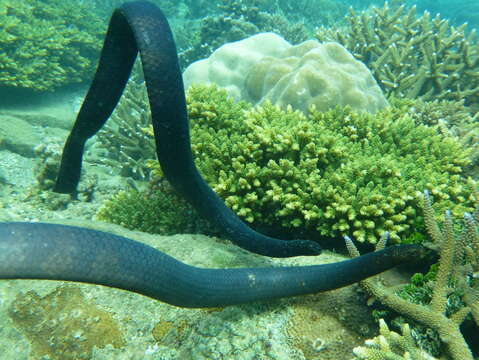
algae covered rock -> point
(63, 325)
(47, 44)
(266, 67)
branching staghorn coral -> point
(125, 137)
(237, 20)
(47, 44)
(321, 175)
(413, 56)
(389, 345)
(457, 269)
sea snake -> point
(142, 27)
(61, 252)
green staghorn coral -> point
(444, 298)
(413, 56)
(47, 44)
(325, 174)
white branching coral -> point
(390, 345)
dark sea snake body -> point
(60, 252)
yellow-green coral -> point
(451, 118)
(413, 55)
(323, 174)
(47, 44)
(158, 211)
(332, 173)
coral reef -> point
(455, 273)
(413, 56)
(228, 65)
(265, 67)
(467, 12)
(105, 7)
(200, 8)
(448, 115)
(323, 174)
(314, 74)
(237, 20)
(47, 44)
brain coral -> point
(325, 174)
(47, 44)
(266, 67)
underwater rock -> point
(15, 169)
(17, 136)
(266, 67)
